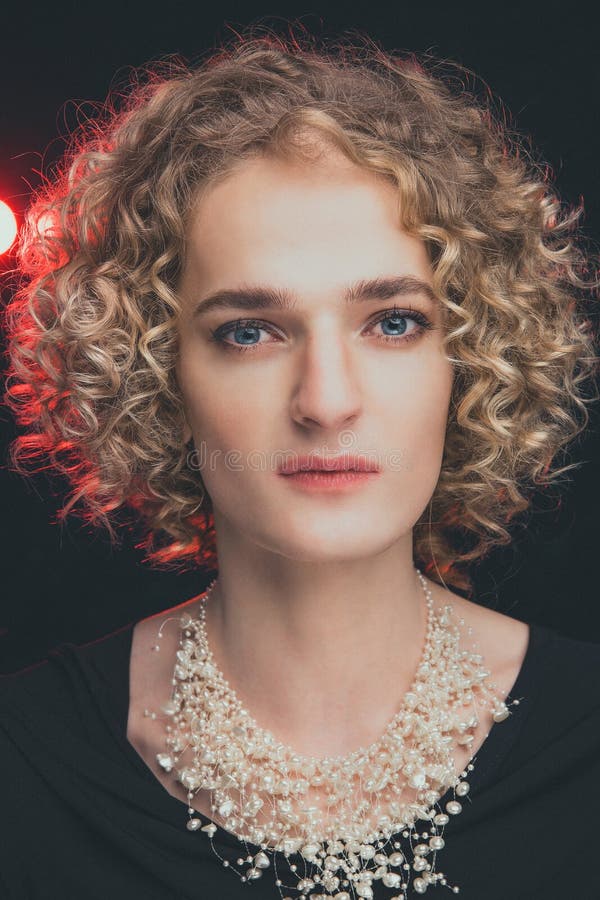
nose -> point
(327, 392)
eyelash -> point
(409, 313)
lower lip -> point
(329, 481)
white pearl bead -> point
(165, 760)
(253, 874)
(453, 807)
(231, 753)
(501, 714)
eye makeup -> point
(422, 322)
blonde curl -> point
(92, 326)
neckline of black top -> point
(115, 708)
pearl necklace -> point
(339, 817)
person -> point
(313, 315)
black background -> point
(66, 583)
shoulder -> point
(64, 689)
(32, 700)
(146, 636)
(150, 673)
(502, 640)
(555, 678)
(505, 642)
(36, 681)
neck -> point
(319, 653)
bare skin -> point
(501, 639)
(317, 619)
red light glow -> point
(8, 227)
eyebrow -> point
(251, 297)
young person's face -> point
(318, 378)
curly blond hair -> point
(92, 325)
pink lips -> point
(328, 474)
(314, 463)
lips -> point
(343, 463)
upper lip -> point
(315, 463)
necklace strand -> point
(341, 843)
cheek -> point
(207, 406)
(227, 423)
(422, 429)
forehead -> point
(264, 191)
(311, 223)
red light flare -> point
(8, 227)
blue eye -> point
(241, 329)
(398, 318)
(244, 328)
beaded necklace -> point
(339, 823)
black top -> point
(84, 816)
